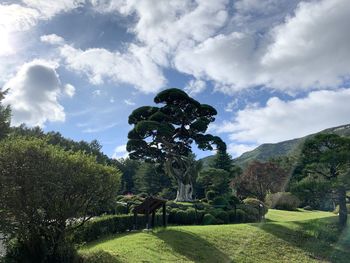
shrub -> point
(282, 201)
(121, 209)
(309, 208)
(241, 216)
(257, 204)
(233, 200)
(210, 195)
(220, 201)
(223, 217)
(209, 219)
(110, 224)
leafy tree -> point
(46, 193)
(166, 134)
(328, 155)
(212, 179)
(151, 179)
(259, 179)
(5, 116)
(223, 161)
(55, 138)
(313, 191)
(128, 168)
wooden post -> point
(164, 215)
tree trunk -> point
(184, 192)
(343, 213)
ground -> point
(300, 236)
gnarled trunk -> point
(184, 192)
(343, 213)
(179, 168)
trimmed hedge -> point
(111, 224)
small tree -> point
(47, 192)
(259, 179)
(328, 155)
(212, 179)
(166, 134)
(5, 115)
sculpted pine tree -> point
(166, 134)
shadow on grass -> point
(192, 247)
(320, 238)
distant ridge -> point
(267, 151)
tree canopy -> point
(328, 155)
(166, 134)
(46, 191)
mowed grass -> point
(300, 236)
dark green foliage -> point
(308, 208)
(220, 201)
(209, 219)
(5, 117)
(44, 188)
(222, 217)
(282, 201)
(128, 168)
(328, 155)
(151, 179)
(313, 191)
(210, 195)
(111, 224)
(257, 204)
(212, 179)
(55, 138)
(166, 134)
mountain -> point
(267, 151)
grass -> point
(300, 236)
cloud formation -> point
(34, 94)
(282, 120)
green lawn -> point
(300, 236)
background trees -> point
(5, 115)
(259, 178)
(328, 155)
(45, 192)
(166, 134)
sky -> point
(274, 69)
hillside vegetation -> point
(302, 236)
(267, 151)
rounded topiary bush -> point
(209, 219)
(241, 216)
(222, 217)
(257, 204)
(210, 195)
(283, 201)
(121, 209)
(220, 201)
(308, 208)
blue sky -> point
(274, 69)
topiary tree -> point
(328, 155)
(166, 134)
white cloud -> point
(237, 150)
(34, 93)
(120, 152)
(129, 102)
(100, 128)
(17, 18)
(52, 39)
(283, 120)
(134, 67)
(48, 9)
(194, 87)
(69, 90)
(231, 105)
(96, 93)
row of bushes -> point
(110, 224)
